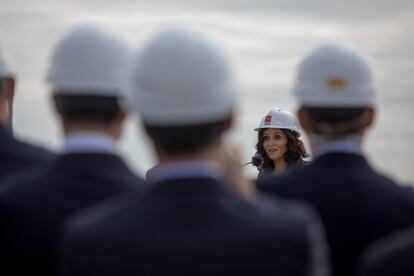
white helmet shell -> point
(6, 69)
(335, 75)
(281, 119)
(182, 78)
(89, 60)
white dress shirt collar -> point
(350, 144)
(187, 169)
(88, 142)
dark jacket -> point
(16, 155)
(356, 204)
(301, 163)
(33, 205)
(390, 255)
(191, 226)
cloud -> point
(366, 10)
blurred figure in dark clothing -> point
(195, 219)
(357, 204)
(390, 255)
(87, 78)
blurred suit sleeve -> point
(318, 257)
(389, 255)
(319, 263)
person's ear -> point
(147, 130)
(122, 117)
(229, 121)
(304, 120)
(10, 86)
(369, 117)
(55, 105)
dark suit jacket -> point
(16, 155)
(389, 256)
(33, 205)
(356, 204)
(188, 227)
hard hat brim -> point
(265, 127)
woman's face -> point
(274, 143)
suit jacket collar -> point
(189, 186)
(88, 142)
(5, 133)
(88, 160)
(340, 159)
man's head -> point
(88, 78)
(7, 84)
(335, 90)
(184, 91)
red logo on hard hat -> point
(268, 119)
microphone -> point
(257, 161)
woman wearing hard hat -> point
(278, 145)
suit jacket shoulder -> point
(390, 255)
(190, 226)
(34, 204)
(357, 205)
(16, 155)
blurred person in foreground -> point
(87, 78)
(357, 204)
(14, 155)
(389, 255)
(278, 145)
(193, 220)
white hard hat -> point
(281, 119)
(6, 69)
(181, 78)
(89, 60)
(335, 75)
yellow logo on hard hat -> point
(336, 83)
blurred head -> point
(97, 110)
(335, 123)
(183, 90)
(88, 74)
(335, 90)
(7, 85)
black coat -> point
(190, 226)
(16, 155)
(356, 204)
(391, 255)
(33, 205)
